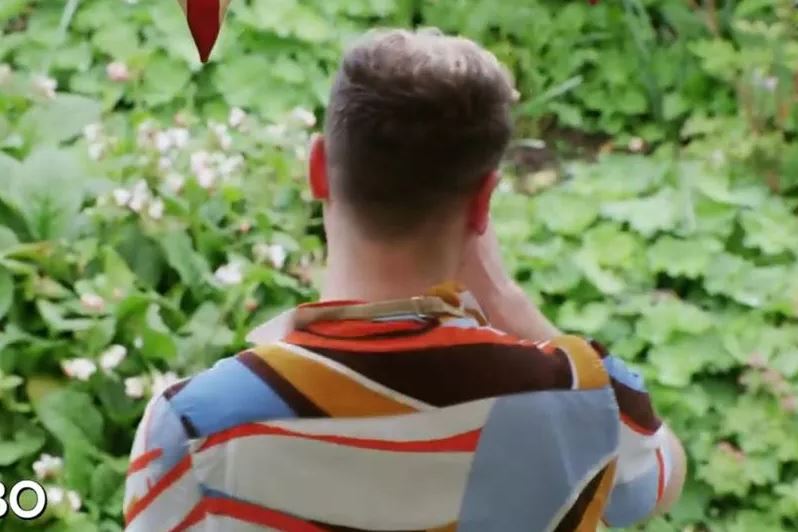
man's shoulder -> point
(232, 392)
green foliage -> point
(145, 226)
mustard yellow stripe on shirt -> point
(595, 510)
(588, 367)
(332, 390)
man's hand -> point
(505, 304)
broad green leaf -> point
(49, 192)
(586, 319)
(164, 80)
(180, 254)
(71, 417)
(682, 257)
(24, 442)
(611, 246)
(61, 119)
(670, 316)
(771, 228)
(675, 363)
(647, 215)
(740, 280)
(564, 213)
(53, 316)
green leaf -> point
(180, 254)
(771, 228)
(682, 257)
(8, 238)
(24, 442)
(164, 80)
(60, 119)
(647, 215)
(670, 316)
(564, 213)
(71, 417)
(676, 363)
(53, 316)
(586, 319)
(49, 192)
(6, 292)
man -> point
(398, 402)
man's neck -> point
(379, 273)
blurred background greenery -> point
(152, 210)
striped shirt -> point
(410, 415)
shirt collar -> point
(452, 296)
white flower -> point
(636, 144)
(162, 381)
(93, 132)
(770, 83)
(92, 302)
(155, 210)
(78, 368)
(222, 135)
(175, 182)
(274, 253)
(206, 178)
(718, 157)
(112, 357)
(47, 466)
(229, 274)
(145, 134)
(230, 165)
(117, 71)
(166, 162)
(141, 195)
(277, 255)
(5, 73)
(236, 117)
(74, 500)
(138, 342)
(135, 387)
(180, 137)
(163, 141)
(275, 132)
(45, 86)
(96, 150)
(121, 196)
(303, 117)
(200, 160)
(55, 494)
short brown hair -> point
(415, 119)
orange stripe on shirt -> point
(463, 442)
(437, 337)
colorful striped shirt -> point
(411, 415)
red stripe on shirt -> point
(161, 486)
(257, 515)
(463, 442)
(661, 480)
(142, 461)
(635, 427)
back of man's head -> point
(416, 121)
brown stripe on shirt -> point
(444, 376)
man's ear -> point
(479, 210)
(317, 169)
